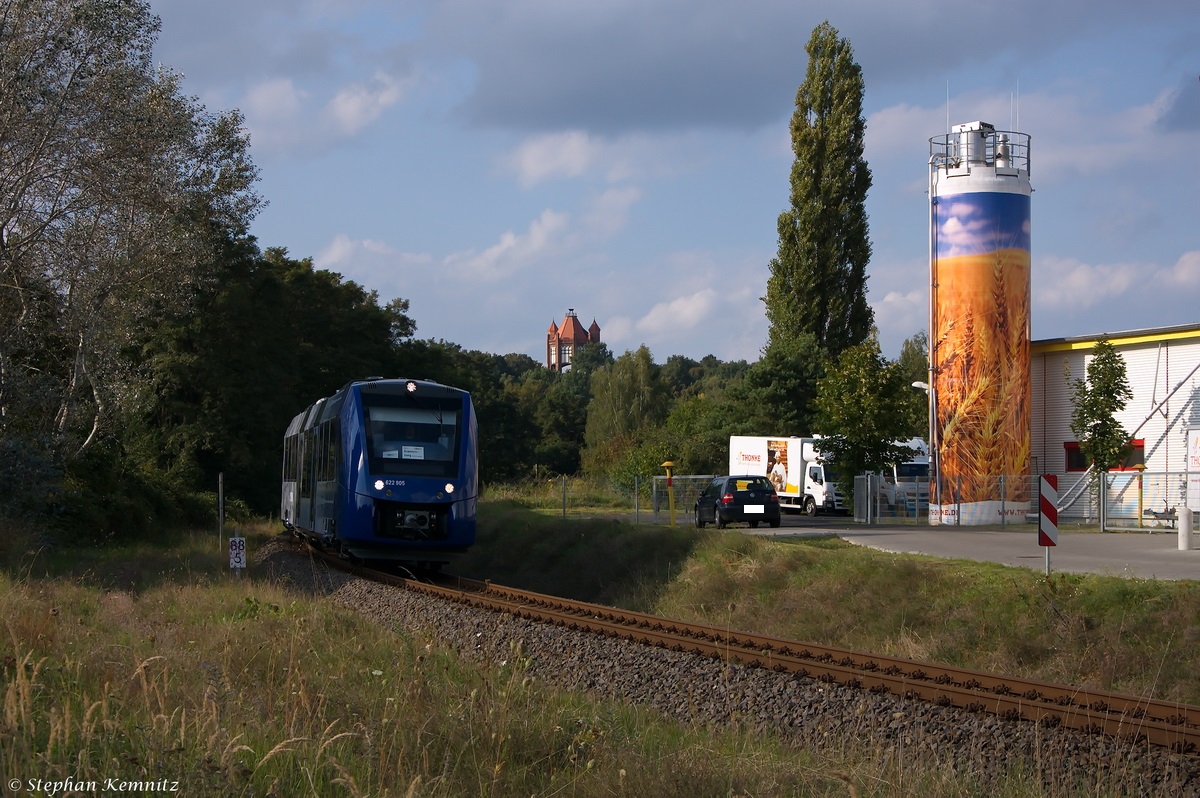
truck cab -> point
(905, 485)
(821, 492)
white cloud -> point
(578, 154)
(1070, 283)
(610, 211)
(729, 324)
(892, 132)
(273, 109)
(567, 154)
(345, 251)
(617, 331)
(900, 315)
(1185, 273)
(513, 252)
(359, 104)
(340, 250)
(550, 235)
(680, 314)
(284, 118)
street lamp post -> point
(935, 465)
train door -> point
(305, 515)
(291, 471)
(326, 446)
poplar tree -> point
(818, 279)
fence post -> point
(1141, 491)
(670, 490)
(636, 488)
(221, 511)
(958, 500)
(1003, 496)
(917, 500)
(1103, 509)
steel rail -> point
(1129, 718)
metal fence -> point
(577, 496)
(645, 500)
(684, 489)
(1128, 499)
(877, 499)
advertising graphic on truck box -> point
(800, 475)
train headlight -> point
(379, 484)
(449, 487)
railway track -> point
(1130, 719)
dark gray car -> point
(749, 498)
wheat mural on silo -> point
(979, 315)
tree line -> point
(148, 343)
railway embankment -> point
(253, 682)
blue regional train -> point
(385, 469)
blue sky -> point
(498, 162)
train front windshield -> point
(412, 435)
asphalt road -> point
(1142, 555)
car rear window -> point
(751, 483)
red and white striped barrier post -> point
(1048, 517)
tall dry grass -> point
(981, 357)
(243, 688)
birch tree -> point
(114, 189)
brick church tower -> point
(562, 340)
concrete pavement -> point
(1130, 554)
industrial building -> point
(1162, 472)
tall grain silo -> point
(979, 335)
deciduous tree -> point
(115, 191)
(859, 406)
(627, 396)
(1103, 442)
(913, 363)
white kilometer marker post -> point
(237, 554)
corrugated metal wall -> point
(1153, 369)
(1053, 376)
(1154, 366)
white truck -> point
(906, 485)
(801, 476)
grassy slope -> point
(1128, 635)
(150, 662)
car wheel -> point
(774, 524)
(719, 521)
(754, 525)
(810, 506)
(699, 519)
